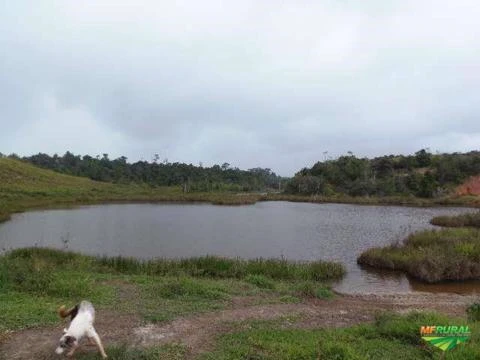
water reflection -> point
(380, 281)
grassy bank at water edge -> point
(35, 281)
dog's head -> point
(66, 342)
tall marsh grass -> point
(431, 255)
(220, 267)
(40, 270)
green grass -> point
(165, 352)
(122, 352)
(35, 281)
(392, 336)
(21, 310)
(432, 255)
(462, 220)
(185, 295)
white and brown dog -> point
(81, 326)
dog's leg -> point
(72, 350)
(98, 342)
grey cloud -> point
(270, 84)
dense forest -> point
(422, 174)
(191, 178)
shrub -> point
(260, 281)
(311, 289)
(338, 351)
(473, 311)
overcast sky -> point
(253, 83)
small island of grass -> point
(432, 255)
(462, 220)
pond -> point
(296, 231)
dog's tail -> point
(63, 312)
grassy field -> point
(462, 220)
(432, 255)
(34, 281)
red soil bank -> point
(470, 187)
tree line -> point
(190, 177)
(423, 174)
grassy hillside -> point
(24, 186)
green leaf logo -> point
(445, 342)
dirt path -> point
(198, 332)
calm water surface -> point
(297, 231)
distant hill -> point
(422, 175)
